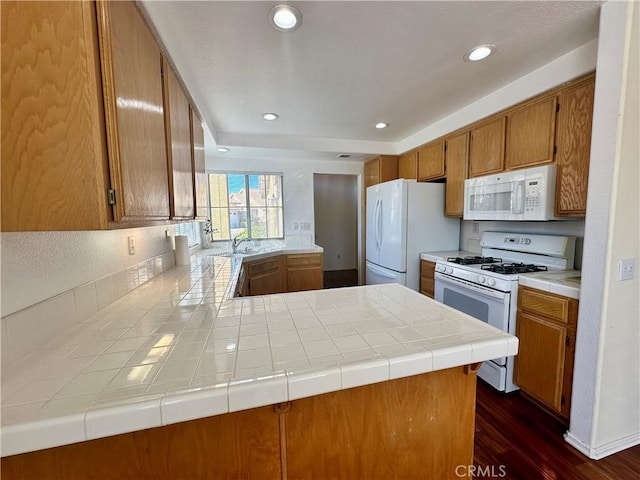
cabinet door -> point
(54, 164)
(539, 366)
(199, 172)
(265, 276)
(304, 272)
(427, 281)
(408, 165)
(431, 161)
(388, 168)
(178, 133)
(531, 134)
(132, 83)
(486, 150)
(372, 172)
(457, 161)
(574, 146)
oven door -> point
(490, 306)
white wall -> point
(39, 265)
(336, 219)
(605, 415)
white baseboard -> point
(603, 450)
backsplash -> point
(470, 240)
(25, 331)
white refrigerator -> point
(404, 219)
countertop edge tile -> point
(413, 363)
(40, 434)
(192, 405)
(246, 393)
(364, 372)
(451, 356)
(313, 381)
(114, 420)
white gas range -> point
(486, 286)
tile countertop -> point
(564, 282)
(178, 348)
(435, 256)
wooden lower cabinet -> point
(265, 276)
(546, 328)
(284, 273)
(427, 281)
(304, 272)
(415, 427)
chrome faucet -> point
(235, 242)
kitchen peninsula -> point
(180, 380)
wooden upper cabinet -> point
(486, 149)
(132, 83)
(457, 161)
(531, 133)
(408, 165)
(431, 161)
(380, 169)
(199, 171)
(178, 133)
(574, 145)
(54, 174)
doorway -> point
(335, 200)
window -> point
(247, 205)
(191, 230)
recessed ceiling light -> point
(284, 18)
(223, 149)
(270, 116)
(381, 125)
(478, 53)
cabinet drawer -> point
(271, 264)
(545, 303)
(304, 260)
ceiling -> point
(352, 64)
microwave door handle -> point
(517, 199)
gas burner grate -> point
(473, 260)
(513, 268)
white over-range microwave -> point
(527, 194)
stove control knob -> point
(440, 268)
(491, 282)
(481, 278)
(449, 270)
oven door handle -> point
(474, 287)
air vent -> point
(344, 155)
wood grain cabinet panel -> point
(531, 134)
(427, 278)
(265, 276)
(574, 146)
(380, 169)
(54, 169)
(486, 149)
(546, 328)
(178, 133)
(457, 163)
(198, 165)
(431, 161)
(83, 136)
(408, 165)
(304, 272)
(132, 83)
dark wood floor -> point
(340, 278)
(518, 439)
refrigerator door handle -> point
(376, 223)
(380, 225)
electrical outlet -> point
(166, 234)
(626, 269)
(476, 227)
(295, 226)
(132, 246)
(338, 255)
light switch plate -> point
(626, 269)
(132, 246)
